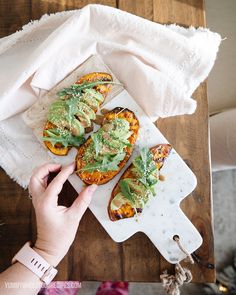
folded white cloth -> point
(159, 65)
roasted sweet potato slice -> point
(104, 89)
(56, 149)
(99, 177)
(160, 153)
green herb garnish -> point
(63, 137)
(137, 190)
(126, 192)
(73, 112)
(106, 149)
(76, 90)
(145, 168)
(94, 94)
(108, 163)
(97, 142)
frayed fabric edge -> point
(33, 24)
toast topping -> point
(74, 110)
(106, 149)
(137, 190)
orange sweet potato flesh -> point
(160, 153)
(104, 89)
(56, 149)
(99, 177)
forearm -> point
(56, 229)
(18, 279)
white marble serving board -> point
(162, 218)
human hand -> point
(56, 225)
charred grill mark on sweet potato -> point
(104, 89)
(98, 177)
(160, 153)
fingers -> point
(83, 200)
(37, 180)
(55, 187)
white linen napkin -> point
(159, 65)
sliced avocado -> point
(152, 178)
(139, 190)
(107, 150)
(76, 127)
(95, 94)
(120, 124)
(120, 129)
(111, 145)
(87, 110)
(83, 118)
(57, 104)
(89, 153)
(122, 134)
(136, 186)
(108, 126)
(58, 113)
(92, 102)
(58, 117)
(118, 201)
(62, 120)
(104, 143)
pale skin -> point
(53, 221)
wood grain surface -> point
(94, 256)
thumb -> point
(83, 200)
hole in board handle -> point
(176, 238)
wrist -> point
(38, 262)
(51, 257)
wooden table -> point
(94, 256)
